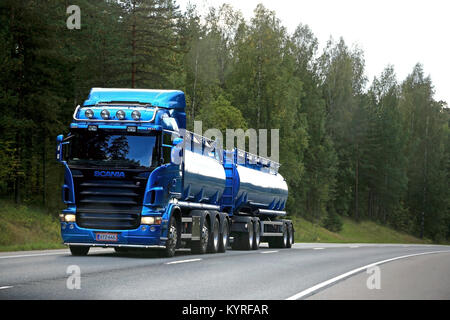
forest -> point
(368, 149)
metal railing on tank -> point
(203, 145)
(250, 160)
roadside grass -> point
(27, 228)
(352, 232)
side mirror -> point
(168, 123)
(59, 152)
(176, 153)
(177, 141)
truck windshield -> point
(110, 149)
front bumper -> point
(145, 236)
(115, 245)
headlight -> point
(136, 115)
(105, 114)
(147, 220)
(151, 220)
(89, 113)
(120, 115)
(69, 218)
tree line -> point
(349, 146)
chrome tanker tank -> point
(255, 182)
(203, 178)
(241, 180)
(259, 189)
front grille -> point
(108, 203)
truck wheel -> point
(280, 242)
(284, 239)
(244, 240)
(248, 243)
(257, 235)
(224, 237)
(79, 250)
(200, 247)
(213, 245)
(290, 240)
(171, 243)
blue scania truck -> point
(135, 178)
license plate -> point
(106, 236)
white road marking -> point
(32, 255)
(319, 248)
(183, 261)
(269, 251)
(43, 254)
(354, 247)
(352, 272)
(6, 287)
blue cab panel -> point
(171, 99)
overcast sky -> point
(397, 32)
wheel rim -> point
(291, 236)
(205, 236)
(173, 236)
(225, 234)
(250, 235)
(257, 235)
(285, 237)
(216, 235)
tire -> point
(213, 243)
(280, 242)
(224, 236)
(79, 250)
(171, 243)
(244, 240)
(290, 236)
(200, 247)
(256, 235)
(284, 239)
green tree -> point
(269, 95)
(33, 83)
(222, 115)
(152, 35)
(384, 170)
(318, 182)
(341, 72)
(426, 128)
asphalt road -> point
(314, 271)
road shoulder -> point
(418, 277)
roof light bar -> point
(156, 109)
